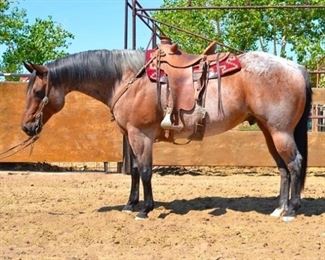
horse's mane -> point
(96, 65)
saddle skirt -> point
(180, 71)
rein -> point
(19, 147)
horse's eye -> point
(39, 93)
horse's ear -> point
(40, 69)
(174, 48)
(28, 66)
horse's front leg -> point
(135, 179)
(142, 150)
(146, 174)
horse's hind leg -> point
(134, 192)
(284, 173)
(286, 147)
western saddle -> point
(187, 76)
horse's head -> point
(42, 99)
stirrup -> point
(167, 124)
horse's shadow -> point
(219, 205)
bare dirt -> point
(199, 214)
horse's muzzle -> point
(32, 128)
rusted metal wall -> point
(82, 132)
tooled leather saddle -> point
(186, 76)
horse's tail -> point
(301, 130)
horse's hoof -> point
(127, 209)
(288, 218)
(277, 213)
(289, 215)
(141, 216)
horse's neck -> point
(98, 74)
(97, 90)
(102, 89)
(104, 92)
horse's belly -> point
(216, 123)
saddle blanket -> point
(228, 64)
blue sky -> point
(96, 24)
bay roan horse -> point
(269, 90)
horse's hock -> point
(85, 133)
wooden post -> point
(106, 167)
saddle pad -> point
(228, 64)
(151, 70)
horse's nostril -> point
(28, 130)
(24, 128)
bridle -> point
(38, 115)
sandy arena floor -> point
(222, 214)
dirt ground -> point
(199, 214)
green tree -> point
(199, 22)
(290, 33)
(41, 41)
(11, 20)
